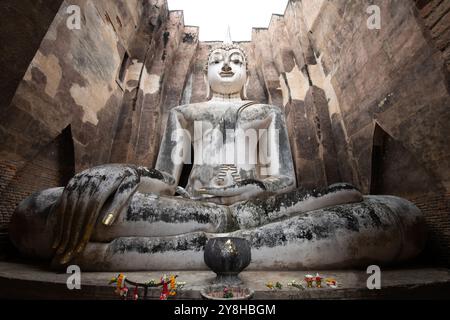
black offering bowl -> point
(227, 257)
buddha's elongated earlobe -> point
(208, 87)
(244, 89)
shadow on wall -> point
(24, 24)
(53, 167)
(395, 171)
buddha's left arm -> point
(277, 170)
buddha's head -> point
(226, 71)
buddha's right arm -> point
(175, 146)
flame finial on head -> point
(228, 40)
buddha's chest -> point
(217, 117)
(225, 118)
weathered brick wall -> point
(7, 173)
(436, 17)
(394, 78)
(42, 173)
(72, 80)
(24, 23)
(397, 172)
(52, 167)
(436, 208)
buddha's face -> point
(227, 71)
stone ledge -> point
(4, 244)
(34, 282)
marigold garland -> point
(168, 283)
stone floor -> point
(21, 281)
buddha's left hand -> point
(245, 189)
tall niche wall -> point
(156, 84)
(24, 24)
(395, 78)
(75, 78)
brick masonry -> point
(436, 208)
(436, 17)
(52, 167)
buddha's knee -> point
(31, 229)
(380, 230)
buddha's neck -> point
(234, 97)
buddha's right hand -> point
(103, 190)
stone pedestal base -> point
(32, 282)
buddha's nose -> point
(226, 67)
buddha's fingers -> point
(90, 225)
(70, 211)
(59, 211)
(127, 188)
(83, 201)
(63, 210)
(60, 249)
(84, 209)
(85, 230)
(125, 191)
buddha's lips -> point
(227, 74)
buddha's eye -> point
(216, 60)
(236, 59)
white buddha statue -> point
(125, 217)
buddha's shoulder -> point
(262, 109)
(189, 108)
(254, 108)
